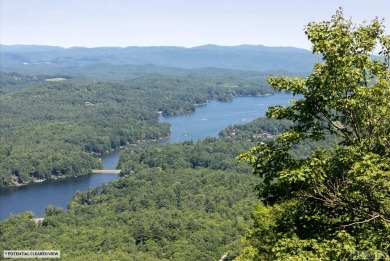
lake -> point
(207, 120)
(36, 197)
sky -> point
(186, 23)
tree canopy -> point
(335, 204)
(51, 125)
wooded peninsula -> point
(310, 181)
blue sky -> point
(94, 23)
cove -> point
(207, 120)
(36, 197)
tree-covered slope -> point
(182, 201)
(152, 215)
(212, 153)
(49, 128)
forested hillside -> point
(116, 72)
(184, 201)
(50, 126)
(267, 129)
(320, 188)
(181, 201)
(12, 82)
(152, 215)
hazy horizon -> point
(122, 23)
(139, 46)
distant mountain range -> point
(243, 57)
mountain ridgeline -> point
(30, 58)
(321, 165)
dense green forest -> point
(12, 82)
(52, 126)
(335, 203)
(182, 201)
(152, 215)
(266, 129)
(212, 153)
(320, 188)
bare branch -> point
(360, 222)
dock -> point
(106, 171)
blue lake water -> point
(206, 121)
(210, 119)
(36, 197)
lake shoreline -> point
(61, 177)
(206, 121)
(140, 142)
